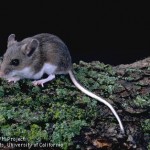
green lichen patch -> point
(58, 112)
(52, 114)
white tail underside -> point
(84, 90)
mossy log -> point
(61, 115)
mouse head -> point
(18, 56)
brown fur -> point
(51, 49)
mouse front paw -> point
(13, 79)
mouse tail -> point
(84, 90)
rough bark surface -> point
(131, 99)
(126, 87)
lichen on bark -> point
(60, 114)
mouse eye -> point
(1, 59)
(14, 62)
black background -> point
(111, 32)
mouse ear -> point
(29, 48)
(11, 40)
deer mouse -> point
(42, 54)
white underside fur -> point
(28, 73)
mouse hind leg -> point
(48, 69)
(42, 81)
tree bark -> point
(131, 99)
